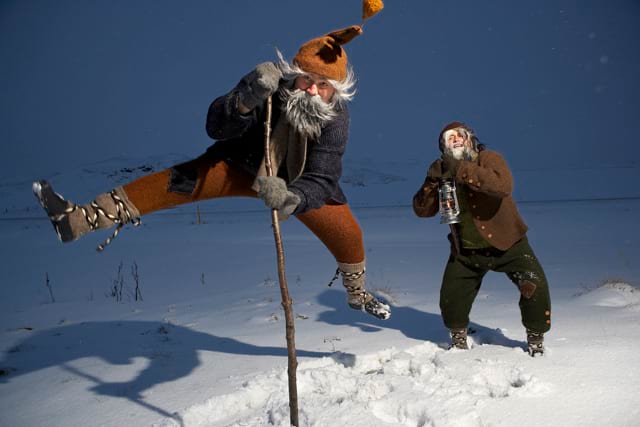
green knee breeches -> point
(463, 277)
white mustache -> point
(307, 113)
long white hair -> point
(345, 90)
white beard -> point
(462, 153)
(306, 113)
(457, 153)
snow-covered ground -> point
(206, 346)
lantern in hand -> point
(448, 201)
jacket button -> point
(470, 180)
(489, 235)
(474, 206)
(482, 227)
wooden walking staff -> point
(284, 290)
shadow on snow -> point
(171, 353)
(416, 324)
(172, 350)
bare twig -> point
(118, 284)
(136, 280)
(49, 287)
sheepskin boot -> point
(459, 338)
(535, 343)
(72, 221)
(353, 279)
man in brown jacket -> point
(490, 235)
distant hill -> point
(366, 183)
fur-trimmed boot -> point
(459, 338)
(535, 343)
(353, 279)
(72, 221)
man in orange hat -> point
(310, 125)
(490, 235)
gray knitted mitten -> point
(255, 87)
(273, 191)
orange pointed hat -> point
(325, 55)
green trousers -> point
(463, 277)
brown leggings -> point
(333, 224)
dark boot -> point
(72, 221)
(535, 343)
(353, 279)
(459, 339)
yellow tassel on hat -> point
(370, 8)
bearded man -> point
(310, 124)
(491, 235)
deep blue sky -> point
(549, 83)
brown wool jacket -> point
(488, 184)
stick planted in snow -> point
(284, 290)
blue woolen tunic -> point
(240, 141)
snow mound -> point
(423, 385)
(613, 294)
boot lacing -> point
(353, 289)
(122, 217)
(535, 342)
(459, 338)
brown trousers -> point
(333, 224)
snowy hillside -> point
(179, 322)
(204, 346)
